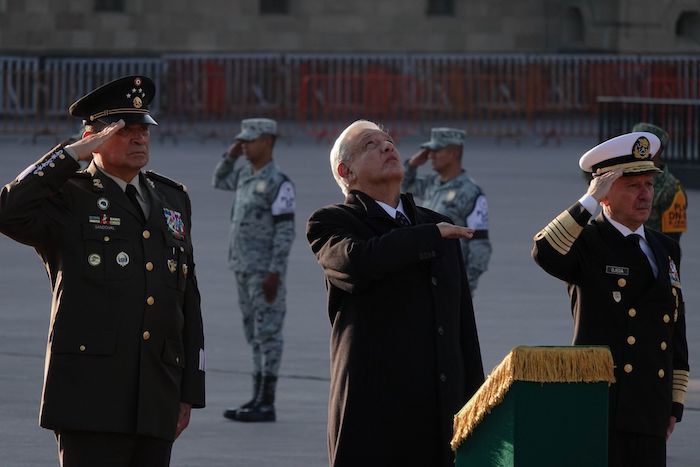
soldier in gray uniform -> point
(262, 232)
(668, 210)
(450, 191)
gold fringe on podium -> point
(533, 364)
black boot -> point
(257, 383)
(263, 409)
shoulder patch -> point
(284, 202)
(478, 219)
(160, 178)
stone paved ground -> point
(516, 302)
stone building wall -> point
(143, 27)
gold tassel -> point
(533, 364)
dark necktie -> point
(636, 239)
(401, 219)
(131, 194)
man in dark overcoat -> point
(405, 353)
(625, 289)
(125, 353)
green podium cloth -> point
(541, 406)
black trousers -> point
(635, 450)
(91, 449)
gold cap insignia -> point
(641, 147)
(138, 103)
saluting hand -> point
(235, 150)
(448, 230)
(84, 147)
(419, 158)
(600, 186)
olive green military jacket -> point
(125, 343)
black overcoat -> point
(125, 343)
(616, 301)
(405, 354)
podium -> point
(540, 407)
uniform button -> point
(628, 368)
(62, 156)
(661, 373)
(146, 335)
(632, 312)
(663, 345)
(106, 238)
(51, 164)
(631, 340)
(441, 330)
(621, 282)
(146, 234)
(667, 318)
(149, 266)
(150, 300)
(82, 348)
(443, 377)
(433, 280)
(40, 173)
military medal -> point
(122, 259)
(174, 221)
(673, 274)
(94, 259)
(617, 296)
(102, 203)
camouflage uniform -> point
(668, 210)
(670, 203)
(262, 232)
(461, 200)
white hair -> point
(340, 152)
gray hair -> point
(341, 150)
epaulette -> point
(81, 174)
(160, 178)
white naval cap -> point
(253, 128)
(631, 152)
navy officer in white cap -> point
(625, 289)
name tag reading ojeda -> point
(618, 270)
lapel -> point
(660, 254)
(156, 215)
(109, 189)
(375, 217)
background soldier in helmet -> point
(125, 357)
(668, 211)
(450, 191)
(262, 232)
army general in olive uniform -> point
(262, 232)
(625, 289)
(125, 354)
(451, 192)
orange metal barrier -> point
(505, 96)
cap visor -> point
(128, 118)
(432, 145)
(246, 135)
